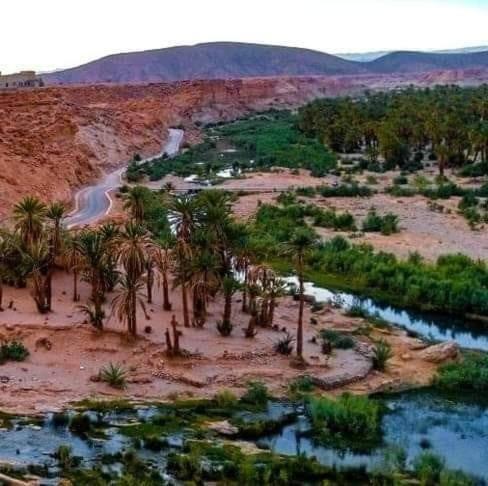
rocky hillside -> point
(226, 60)
(53, 140)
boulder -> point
(438, 353)
(224, 427)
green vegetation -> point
(453, 284)
(349, 419)
(114, 375)
(386, 225)
(256, 394)
(470, 374)
(447, 123)
(382, 353)
(260, 142)
(336, 339)
(13, 351)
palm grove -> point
(188, 243)
(447, 123)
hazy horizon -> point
(56, 35)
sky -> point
(51, 34)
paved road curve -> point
(93, 202)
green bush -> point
(13, 351)
(284, 345)
(337, 339)
(114, 375)
(471, 374)
(428, 468)
(386, 224)
(349, 416)
(381, 355)
(256, 394)
(225, 399)
(345, 190)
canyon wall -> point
(53, 140)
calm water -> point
(435, 327)
(455, 430)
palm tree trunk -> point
(186, 314)
(227, 309)
(300, 317)
(133, 329)
(272, 305)
(76, 297)
(149, 282)
(49, 290)
(166, 303)
(244, 291)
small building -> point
(24, 79)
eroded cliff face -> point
(53, 140)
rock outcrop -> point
(438, 353)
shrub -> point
(114, 375)
(60, 419)
(357, 310)
(13, 351)
(400, 180)
(80, 424)
(381, 355)
(65, 458)
(337, 339)
(302, 384)
(225, 399)
(225, 328)
(387, 224)
(455, 478)
(284, 345)
(348, 415)
(471, 374)
(256, 394)
(345, 190)
(428, 468)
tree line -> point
(186, 242)
(445, 123)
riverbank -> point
(66, 354)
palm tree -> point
(162, 257)
(229, 287)
(181, 279)
(29, 216)
(183, 215)
(5, 248)
(135, 202)
(72, 261)
(37, 264)
(301, 242)
(132, 247)
(55, 213)
(93, 252)
(204, 279)
(125, 303)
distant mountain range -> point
(237, 60)
(371, 56)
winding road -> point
(93, 202)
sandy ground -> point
(52, 378)
(429, 232)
